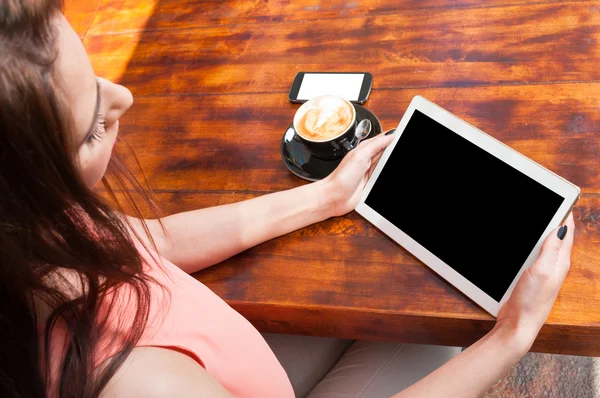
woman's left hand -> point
(343, 187)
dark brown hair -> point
(53, 229)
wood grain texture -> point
(444, 48)
(229, 143)
(211, 80)
(120, 16)
(344, 278)
(81, 14)
(359, 284)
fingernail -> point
(562, 232)
(390, 132)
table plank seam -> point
(244, 192)
(196, 191)
(375, 89)
(377, 14)
(483, 318)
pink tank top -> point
(188, 317)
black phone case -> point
(365, 89)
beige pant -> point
(320, 367)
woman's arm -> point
(475, 370)
(200, 238)
(197, 239)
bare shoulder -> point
(158, 373)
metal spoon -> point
(362, 131)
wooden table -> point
(211, 79)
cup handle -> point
(346, 145)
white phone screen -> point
(345, 85)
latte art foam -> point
(324, 118)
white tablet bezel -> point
(525, 165)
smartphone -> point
(353, 86)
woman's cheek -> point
(93, 163)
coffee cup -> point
(326, 125)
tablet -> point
(472, 209)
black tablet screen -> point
(473, 211)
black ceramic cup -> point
(336, 145)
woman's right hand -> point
(531, 301)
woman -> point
(91, 303)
